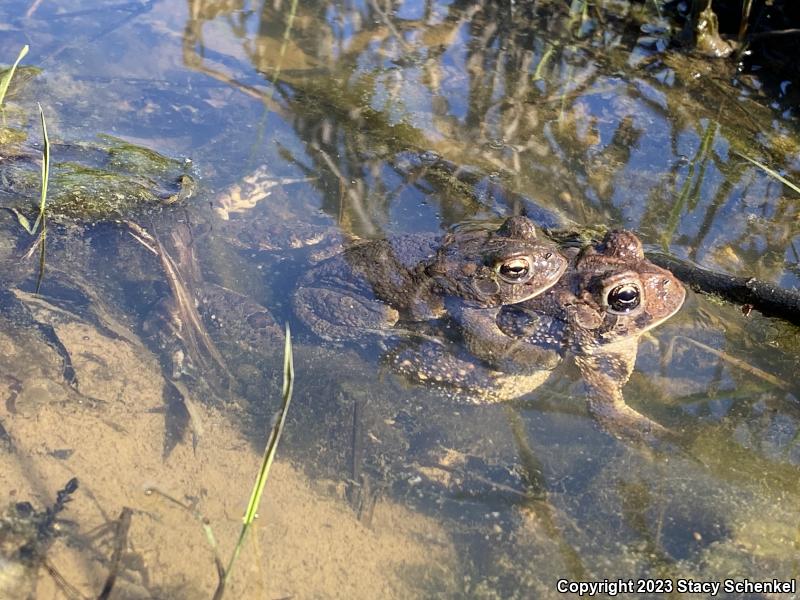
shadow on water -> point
(312, 123)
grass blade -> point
(770, 172)
(6, 80)
(41, 218)
(277, 429)
(45, 173)
(266, 463)
(40, 277)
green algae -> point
(111, 179)
(12, 136)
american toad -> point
(609, 296)
(467, 274)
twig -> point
(501, 487)
(69, 591)
(765, 297)
(203, 349)
(779, 33)
(386, 21)
(771, 172)
(768, 377)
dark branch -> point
(763, 296)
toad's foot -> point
(624, 423)
(337, 316)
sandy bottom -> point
(307, 543)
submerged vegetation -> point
(25, 536)
(126, 180)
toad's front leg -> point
(484, 340)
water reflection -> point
(600, 126)
(413, 116)
(550, 113)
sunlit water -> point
(335, 102)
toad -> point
(609, 296)
(467, 274)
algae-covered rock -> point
(94, 182)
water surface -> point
(386, 488)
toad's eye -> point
(514, 270)
(624, 298)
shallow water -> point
(386, 488)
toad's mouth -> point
(536, 290)
(538, 285)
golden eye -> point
(624, 298)
(514, 270)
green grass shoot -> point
(266, 463)
(45, 172)
(41, 219)
(8, 75)
(770, 172)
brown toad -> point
(609, 296)
(467, 274)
